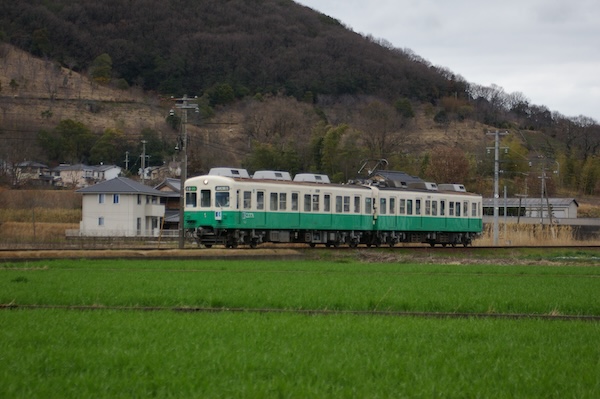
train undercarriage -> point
(232, 238)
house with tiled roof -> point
(121, 207)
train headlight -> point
(205, 182)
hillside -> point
(280, 86)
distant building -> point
(121, 207)
(171, 189)
(560, 208)
(81, 175)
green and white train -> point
(234, 209)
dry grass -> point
(530, 234)
(40, 215)
(16, 232)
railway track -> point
(265, 251)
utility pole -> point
(143, 161)
(497, 135)
(126, 160)
(183, 104)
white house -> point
(121, 207)
(81, 175)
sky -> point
(548, 50)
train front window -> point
(205, 198)
(191, 199)
(222, 199)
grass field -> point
(119, 348)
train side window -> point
(382, 206)
(451, 209)
(315, 203)
(327, 203)
(417, 207)
(409, 207)
(402, 206)
(434, 208)
(427, 207)
(282, 201)
(222, 199)
(392, 205)
(457, 208)
(191, 200)
(368, 206)
(474, 209)
(307, 202)
(356, 204)
(205, 198)
(294, 201)
(346, 204)
(247, 199)
(260, 200)
(273, 202)
(442, 207)
(338, 204)
(466, 208)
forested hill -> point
(255, 46)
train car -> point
(233, 210)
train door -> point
(417, 223)
(295, 210)
(259, 215)
(327, 214)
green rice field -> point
(297, 329)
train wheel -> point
(444, 245)
(208, 245)
(312, 245)
(253, 243)
(432, 244)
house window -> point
(139, 199)
(101, 221)
(101, 198)
(115, 198)
(139, 225)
